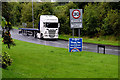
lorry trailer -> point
(48, 28)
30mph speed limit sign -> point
(76, 18)
(76, 14)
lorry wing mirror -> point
(58, 25)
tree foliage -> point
(6, 8)
(93, 18)
(62, 12)
(111, 23)
(98, 18)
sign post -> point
(75, 44)
(79, 33)
(73, 32)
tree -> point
(3, 25)
(7, 36)
(112, 23)
(26, 13)
(6, 8)
(3, 22)
(6, 60)
(45, 8)
(114, 5)
(39, 9)
(93, 18)
(62, 12)
(15, 13)
(6, 26)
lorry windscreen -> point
(52, 25)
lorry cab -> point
(49, 27)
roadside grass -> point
(14, 27)
(106, 40)
(17, 27)
(39, 61)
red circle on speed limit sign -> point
(76, 14)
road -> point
(62, 43)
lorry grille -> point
(52, 33)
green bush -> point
(93, 18)
(6, 60)
(112, 23)
(7, 39)
(29, 24)
(100, 20)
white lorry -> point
(48, 28)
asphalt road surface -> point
(62, 43)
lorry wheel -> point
(35, 35)
(41, 36)
(20, 32)
(38, 35)
(27, 33)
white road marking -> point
(112, 49)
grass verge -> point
(14, 27)
(102, 40)
(39, 61)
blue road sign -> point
(75, 44)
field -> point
(39, 61)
